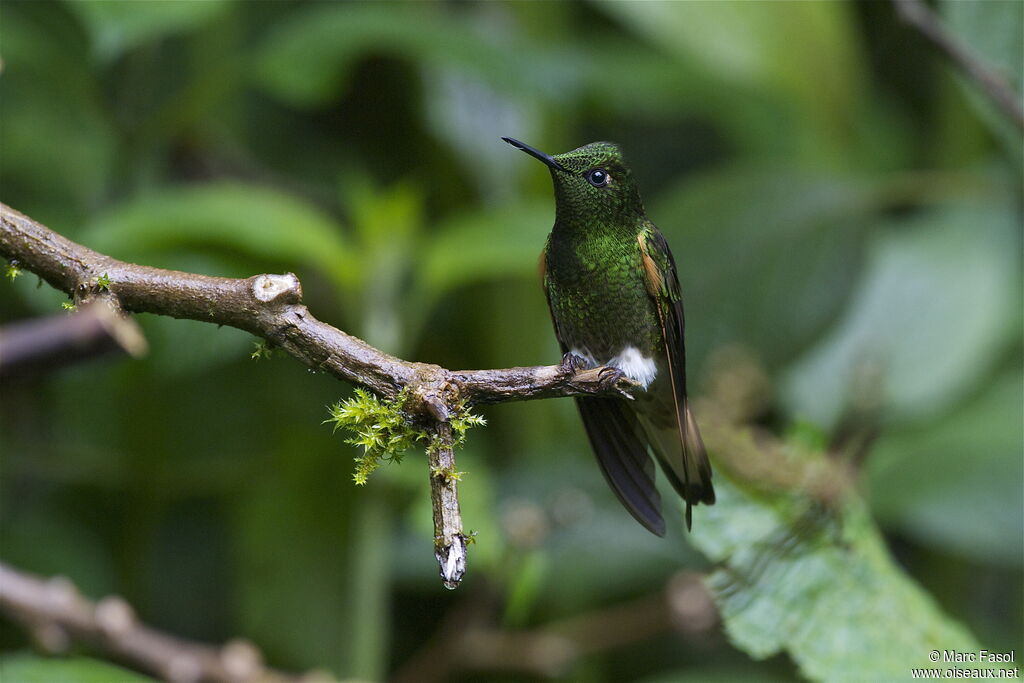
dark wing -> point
(622, 453)
(690, 474)
(616, 439)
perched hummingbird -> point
(611, 285)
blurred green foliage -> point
(845, 212)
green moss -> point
(385, 431)
(263, 350)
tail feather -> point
(683, 458)
(621, 451)
(696, 457)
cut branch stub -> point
(449, 539)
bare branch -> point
(269, 306)
(996, 88)
(42, 344)
(58, 614)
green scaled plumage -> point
(614, 296)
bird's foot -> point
(609, 377)
(573, 362)
(600, 380)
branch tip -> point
(452, 560)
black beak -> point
(536, 153)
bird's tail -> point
(683, 458)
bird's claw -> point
(611, 378)
(598, 380)
(573, 362)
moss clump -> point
(385, 431)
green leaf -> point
(937, 303)
(251, 220)
(119, 25)
(819, 585)
(954, 483)
(22, 667)
(767, 256)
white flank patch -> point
(637, 367)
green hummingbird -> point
(615, 301)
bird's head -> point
(591, 182)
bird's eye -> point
(598, 177)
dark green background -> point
(840, 205)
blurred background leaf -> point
(27, 668)
(936, 309)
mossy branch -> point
(433, 400)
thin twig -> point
(58, 614)
(996, 88)
(40, 345)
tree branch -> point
(41, 345)
(270, 306)
(917, 14)
(57, 614)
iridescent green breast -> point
(597, 294)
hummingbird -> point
(615, 301)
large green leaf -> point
(252, 220)
(956, 483)
(29, 668)
(937, 303)
(819, 584)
